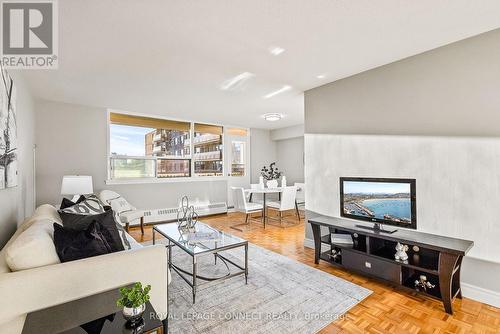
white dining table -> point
(264, 192)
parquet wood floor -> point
(387, 310)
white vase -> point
(261, 182)
(283, 181)
(272, 184)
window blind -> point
(148, 122)
(206, 128)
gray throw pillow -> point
(90, 206)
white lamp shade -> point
(77, 185)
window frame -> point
(156, 179)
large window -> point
(143, 147)
(146, 147)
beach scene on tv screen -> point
(382, 200)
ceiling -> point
(171, 57)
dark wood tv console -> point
(372, 253)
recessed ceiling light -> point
(279, 91)
(272, 117)
(276, 50)
(321, 76)
(237, 81)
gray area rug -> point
(282, 296)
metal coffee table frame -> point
(191, 278)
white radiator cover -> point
(169, 214)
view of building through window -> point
(172, 149)
(143, 147)
(238, 158)
(207, 143)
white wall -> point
(17, 203)
(433, 117)
(290, 159)
(288, 132)
(457, 188)
(71, 139)
(262, 152)
(285, 146)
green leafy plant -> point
(134, 296)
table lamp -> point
(76, 185)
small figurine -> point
(423, 283)
(401, 252)
(335, 254)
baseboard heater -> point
(170, 214)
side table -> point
(97, 314)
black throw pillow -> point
(66, 203)
(75, 245)
(106, 219)
(121, 230)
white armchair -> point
(126, 213)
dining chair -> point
(251, 196)
(301, 197)
(242, 205)
(287, 203)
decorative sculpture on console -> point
(423, 284)
(401, 252)
(186, 216)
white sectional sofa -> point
(30, 289)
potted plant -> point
(271, 174)
(133, 300)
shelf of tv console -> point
(438, 258)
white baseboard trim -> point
(170, 214)
(309, 243)
(470, 291)
(482, 295)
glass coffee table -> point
(215, 242)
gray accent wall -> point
(434, 117)
(449, 91)
(17, 203)
(72, 139)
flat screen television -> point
(379, 200)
